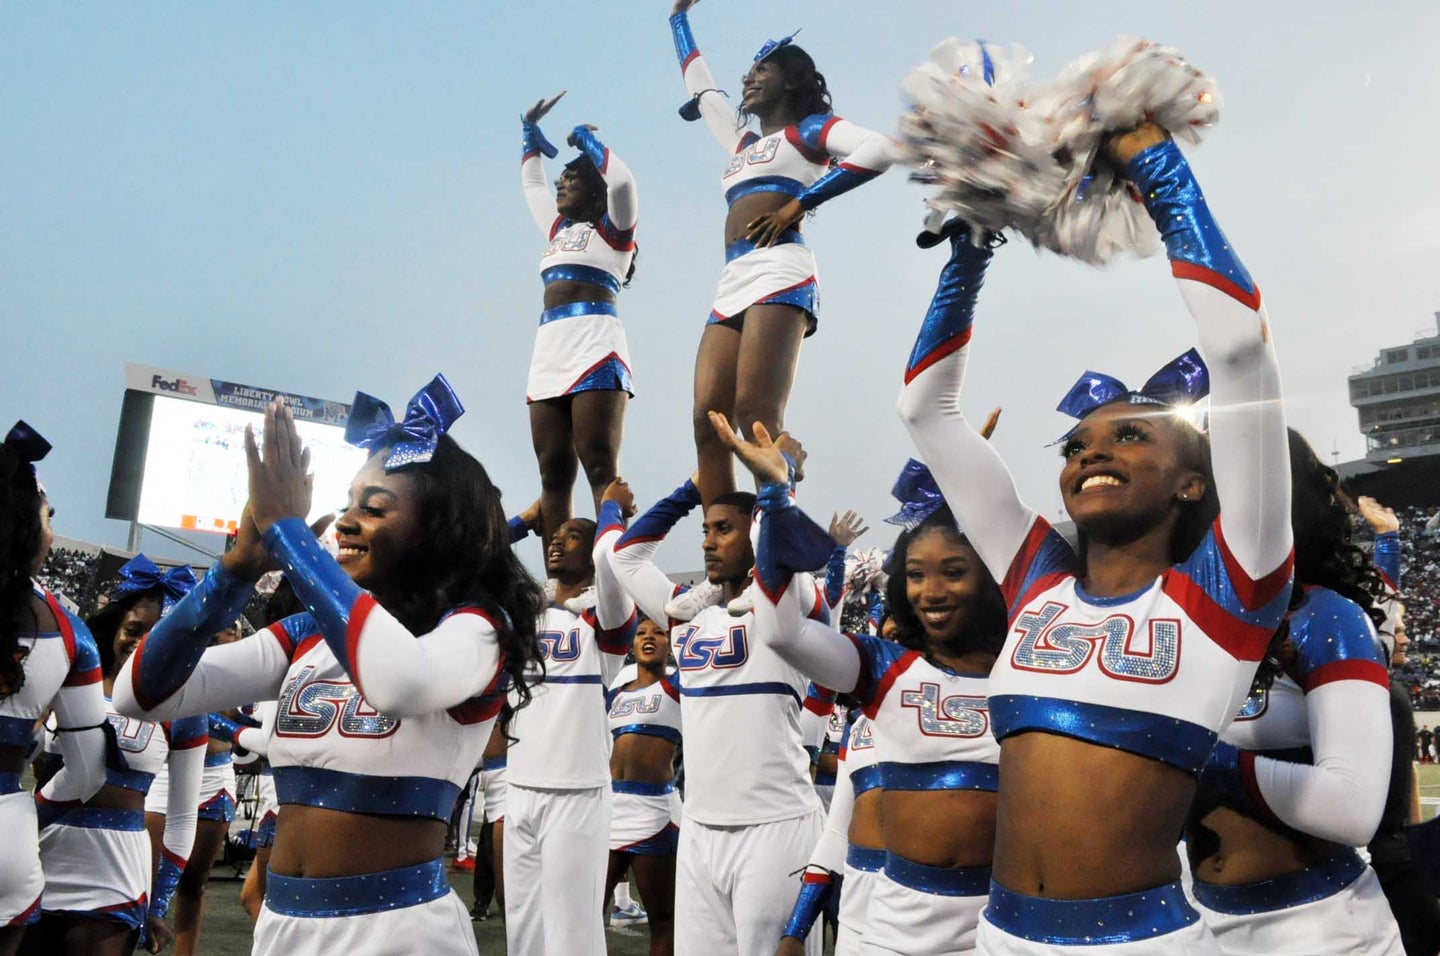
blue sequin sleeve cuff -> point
(814, 893)
(319, 581)
(685, 48)
(583, 138)
(173, 648)
(534, 143)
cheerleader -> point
(1127, 658)
(557, 802)
(388, 685)
(1300, 778)
(580, 371)
(936, 753)
(108, 886)
(645, 820)
(767, 299)
(48, 661)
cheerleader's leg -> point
(715, 368)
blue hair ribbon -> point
(27, 443)
(1181, 381)
(429, 415)
(140, 574)
(772, 45)
(918, 494)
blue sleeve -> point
(167, 878)
(225, 728)
(172, 650)
(685, 48)
(189, 731)
(815, 889)
(1386, 556)
(534, 143)
(947, 323)
(790, 542)
(609, 518)
(590, 146)
(654, 524)
(835, 576)
(877, 656)
(1334, 639)
(324, 587)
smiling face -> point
(943, 582)
(568, 554)
(1124, 470)
(651, 645)
(574, 198)
(380, 526)
(728, 555)
(133, 627)
(763, 87)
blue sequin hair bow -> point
(26, 444)
(429, 415)
(918, 495)
(772, 45)
(1183, 380)
(140, 574)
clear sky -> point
(322, 197)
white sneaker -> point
(744, 602)
(630, 915)
(685, 605)
(581, 602)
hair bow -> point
(140, 574)
(27, 444)
(1181, 381)
(772, 45)
(918, 495)
(429, 415)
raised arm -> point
(971, 475)
(175, 673)
(1249, 449)
(713, 107)
(533, 150)
(633, 558)
(615, 618)
(398, 674)
(618, 226)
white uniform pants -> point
(20, 878)
(557, 846)
(735, 886)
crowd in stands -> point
(72, 574)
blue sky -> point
(321, 197)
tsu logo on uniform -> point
(959, 715)
(311, 708)
(1151, 656)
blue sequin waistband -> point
(103, 818)
(647, 730)
(574, 310)
(337, 896)
(941, 775)
(743, 247)
(764, 184)
(9, 783)
(642, 789)
(1109, 919)
(222, 759)
(578, 273)
(938, 880)
(1169, 740)
(363, 793)
(824, 779)
(17, 731)
(864, 858)
(865, 779)
(137, 780)
(495, 763)
(1325, 878)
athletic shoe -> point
(685, 605)
(465, 865)
(479, 915)
(744, 602)
(631, 915)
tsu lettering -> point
(956, 716)
(698, 653)
(1150, 656)
(625, 706)
(133, 736)
(756, 155)
(560, 645)
(310, 708)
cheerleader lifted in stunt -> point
(767, 297)
(580, 371)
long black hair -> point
(465, 559)
(20, 534)
(989, 621)
(807, 94)
(595, 187)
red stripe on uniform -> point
(888, 679)
(1253, 593)
(948, 347)
(359, 614)
(1346, 670)
(1195, 273)
(1242, 641)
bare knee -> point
(751, 408)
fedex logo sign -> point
(179, 386)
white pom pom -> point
(969, 132)
(1097, 215)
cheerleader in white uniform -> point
(1300, 778)
(1125, 660)
(108, 885)
(645, 819)
(937, 755)
(48, 661)
(580, 371)
(387, 686)
(767, 299)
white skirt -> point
(579, 347)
